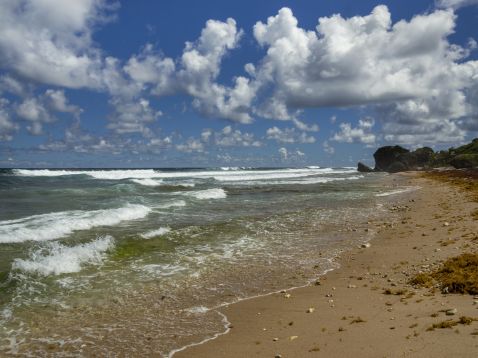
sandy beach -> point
(368, 307)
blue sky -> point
(96, 83)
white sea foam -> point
(198, 309)
(153, 233)
(208, 194)
(231, 174)
(162, 270)
(177, 203)
(56, 225)
(56, 259)
(302, 180)
(148, 182)
(398, 191)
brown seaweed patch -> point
(456, 275)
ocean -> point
(136, 261)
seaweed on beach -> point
(464, 179)
(464, 320)
(456, 275)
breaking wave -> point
(57, 225)
(153, 233)
(208, 194)
(56, 259)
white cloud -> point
(229, 137)
(284, 154)
(319, 68)
(288, 135)
(35, 112)
(304, 127)
(196, 73)
(7, 127)
(49, 41)
(328, 148)
(151, 68)
(291, 156)
(191, 145)
(58, 102)
(455, 4)
(132, 116)
(361, 134)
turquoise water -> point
(135, 261)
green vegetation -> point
(465, 156)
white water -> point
(148, 182)
(57, 225)
(398, 191)
(153, 233)
(56, 259)
(220, 175)
(208, 194)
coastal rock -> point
(465, 161)
(397, 167)
(394, 159)
(364, 168)
(388, 155)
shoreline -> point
(296, 322)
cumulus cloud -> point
(196, 72)
(7, 127)
(455, 4)
(360, 134)
(365, 60)
(132, 116)
(39, 110)
(284, 154)
(229, 137)
(328, 148)
(191, 145)
(288, 135)
(290, 156)
(50, 41)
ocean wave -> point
(153, 233)
(176, 203)
(56, 225)
(148, 182)
(97, 174)
(231, 174)
(207, 194)
(56, 259)
(301, 180)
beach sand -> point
(367, 308)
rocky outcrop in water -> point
(364, 168)
(395, 159)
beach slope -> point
(369, 306)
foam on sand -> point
(53, 226)
(56, 259)
(398, 191)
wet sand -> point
(367, 308)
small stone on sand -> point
(451, 312)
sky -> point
(176, 83)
